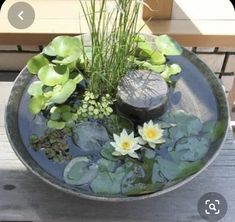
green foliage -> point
(95, 107)
(150, 58)
(35, 89)
(80, 171)
(167, 45)
(53, 75)
(53, 144)
(36, 104)
(112, 42)
(61, 117)
(36, 63)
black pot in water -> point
(197, 91)
(142, 95)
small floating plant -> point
(108, 93)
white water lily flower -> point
(125, 144)
(151, 133)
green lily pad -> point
(90, 136)
(79, 171)
(36, 63)
(186, 124)
(107, 182)
(53, 75)
(35, 89)
(64, 92)
(107, 151)
(168, 46)
(116, 123)
(213, 130)
(193, 147)
(55, 124)
(36, 104)
(173, 171)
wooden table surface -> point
(24, 197)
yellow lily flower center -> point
(126, 145)
(152, 133)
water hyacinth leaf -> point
(167, 45)
(79, 171)
(35, 89)
(36, 104)
(107, 151)
(107, 182)
(55, 124)
(67, 60)
(155, 56)
(53, 75)
(173, 171)
(90, 136)
(64, 93)
(49, 50)
(194, 148)
(170, 70)
(36, 63)
(65, 46)
(149, 66)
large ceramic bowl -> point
(197, 91)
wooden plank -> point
(157, 9)
(189, 31)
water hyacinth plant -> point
(74, 91)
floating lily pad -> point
(107, 182)
(90, 136)
(213, 130)
(107, 151)
(167, 45)
(185, 124)
(116, 123)
(172, 170)
(36, 63)
(55, 124)
(80, 171)
(193, 147)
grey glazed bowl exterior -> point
(11, 125)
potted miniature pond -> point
(116, 115)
